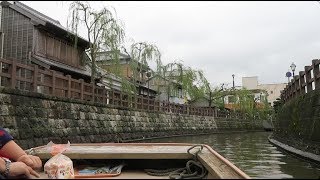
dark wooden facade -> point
(30, 37)
(17, 31)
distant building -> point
(250, 82)
(168, 89)
(273, 90)
(231, 98)
(105, 61)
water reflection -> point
(253, 154)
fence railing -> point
(305, 82)
(32, 78)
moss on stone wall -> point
(299, 119)
(35, 119)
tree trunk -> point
(210, 99)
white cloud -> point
(221, 38)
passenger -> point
(22, 165)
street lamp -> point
(233, 80)
(293, 67)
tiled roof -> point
(86, 71)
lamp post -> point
(293, 68)
(233, 81)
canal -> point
(253, 154)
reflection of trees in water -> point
(253, 154)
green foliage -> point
(141, 53)
(248, 105)
(181, 76)
(103, 30)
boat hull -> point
(149, 154)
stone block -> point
(4, 110)
(5, 99)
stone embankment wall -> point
(35, 119)
(298, 123)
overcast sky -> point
(221, 38)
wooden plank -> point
(5, 61)
(5, 75)
(35, 78)
(44, 84)
(76, 90)
(13, 74)
(62, 77)
(45, 72)
(69, 86)
(218, 166)
(25, 66)
(81, 88)
(24, 79)
(120, 152)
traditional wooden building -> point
(168, 90)
(105, 61)
(31, 37)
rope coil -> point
(193, 170)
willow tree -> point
(213, 93)
(187, 77)
(103, 30)
(166, 71)
(248, 104)
(141, 53)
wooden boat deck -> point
(121, 151)
(128, 174)
(217, 166)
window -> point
(63, 52)
(50, 46)
(58, 49)
(41, 46)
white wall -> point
(250, 82)
(273, 90)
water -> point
(254, 155)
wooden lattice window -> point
(63, 52)
(50, 46)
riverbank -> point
(295, 151)
(35, 119)
(297, 125)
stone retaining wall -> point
(35, 119)
(298, 123)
